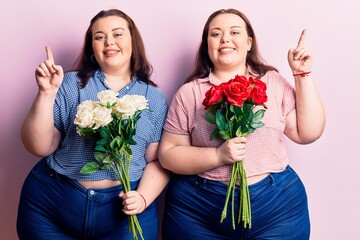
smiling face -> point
(111, 42)
(228, 42)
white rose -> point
(124, 108)
(107, 96)
(102, 116)
(139, 101)
(84, 115)
(127, 106)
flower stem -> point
(238, 174)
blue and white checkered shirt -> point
(75, 151)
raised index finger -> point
(302, 38)
(49, 55)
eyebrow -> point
(114, 29)
(217, 28)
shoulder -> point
(193, 87)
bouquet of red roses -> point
(230, 106)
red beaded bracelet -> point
(303, 74)
(143, 199)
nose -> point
(225, 39)
(109, 41)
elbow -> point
(163, 163)
(35, 151)
(311, 137)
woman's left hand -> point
(300, 59)
(133, 202)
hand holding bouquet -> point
(230, 107)
(112, 120)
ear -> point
(249, 42)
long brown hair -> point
(139, 65)
(203, 63)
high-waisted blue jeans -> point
(53, 207)
(278, 203)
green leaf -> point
(245, 130)
(102, 142)
(238, 110)
(243, 120)
(106, 167)
(100, 148)
(210, 117)
(224, 135)
(251, 130)
(105, 132)
(131, 141)
(259, 114)
(238, 132)
(249, 116)
(99, 156)
(116, 143)
(109, 159)
(89, 168)
(220, 121)
(215, 135)
(257, 124)
(128, 150)
(247, 107)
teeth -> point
(110, 52)
(226, 50)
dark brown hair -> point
(140, 67)
(203, 63)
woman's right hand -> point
(48, 75)
(232, 150)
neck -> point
(224, 75)
(117, 81)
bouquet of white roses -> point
(113, 121)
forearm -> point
(310, 113)
(188, 159)
(37, 131)
(153, 181)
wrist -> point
(144, 200)
(301, 74)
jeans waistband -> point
(269, 179)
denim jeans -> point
(53, 207)
(278, 203)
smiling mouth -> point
(226, 50)
(110, 52)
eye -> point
(215, 34)
(98, 38)
(235, 33)
(116, 35)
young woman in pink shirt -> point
(202, 167)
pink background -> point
(171, 32)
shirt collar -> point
(99, 75)
(211, 78)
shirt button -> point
(92, 192)
(127, 87)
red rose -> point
(258, 94)
(237, 90)
(213, 96)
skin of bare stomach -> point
(106, 183)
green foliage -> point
(89, 168)
(234, 121)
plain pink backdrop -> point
(171, 31)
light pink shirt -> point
(266, 147)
